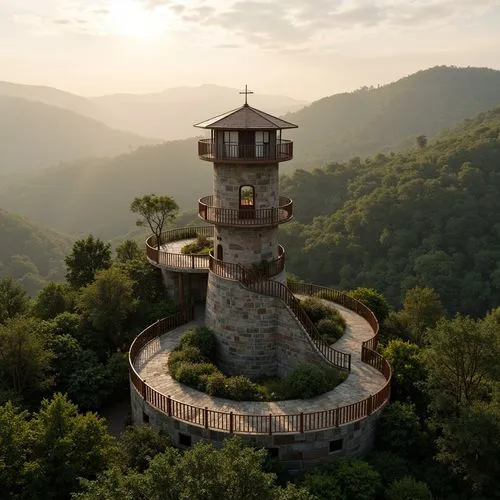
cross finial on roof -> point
(246, 92)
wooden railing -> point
(344, 300)
(245, 216)
(259, 282)
(281, 151)
(246, 423)
(228, 270)
(178, 260)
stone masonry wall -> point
(292, 343)
(247, 246)
(295, 451)
(245, 324)
(229, 177)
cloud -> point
(153, 4)
(271, 23)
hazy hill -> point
(30, 252)
(367, 121)
(95, 195)
(422, 217)
(34, 135)
(52, 97)
(171, 114)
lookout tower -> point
(245, 147)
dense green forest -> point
(438, 438)
(371, 120)
(31, 253)
(35, 135)
(334, 128)
(428, 216)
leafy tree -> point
(470, 444)
(201, 473)
(422, 309)
(139, 444)
(66, 446)
(343, 479)
(87, 257)
(128, 250)
(13, 299)
(25, 359)
(389, 465)
(408, 372)
(422, 141)
(408, 488)
(398, 430)
(373, 300)
(53, 300)
(107, 302)
(461, 356)
(14, 439)
(155, 211)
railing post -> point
(336, 416)
(270, 424)
(369, 405)
(301, 426)
(230, 422)
(169, 406)
(143, 389)
(192, 261)
(206, 417)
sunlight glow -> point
(130, 18)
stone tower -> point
(245, 147)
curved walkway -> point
(363, 380)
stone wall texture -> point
(229, 177)
(247, 246)
(295, 451)
(257, 335)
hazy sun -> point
(130, 18)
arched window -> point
(247, 197)
(220, 254)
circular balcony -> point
(248, 216)
(237, 272)
(245, 153)
(169, 255)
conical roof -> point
(245, 117)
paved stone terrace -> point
(363, 380)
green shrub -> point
(241, 389)
(330, 330)
(216, 385)
(307, 381)
(203, 245)
(203, 338)
(315, 309)
(408, 488)
(194, 374)
(190, 354)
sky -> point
(305, 49)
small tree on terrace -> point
(155, 212)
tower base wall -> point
(295, 451)
(245, 324)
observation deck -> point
(282, 150)
(247, 216)
(364, 393)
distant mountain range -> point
(37, 135)
(390, 117)
(94, 195)
(168, 115)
